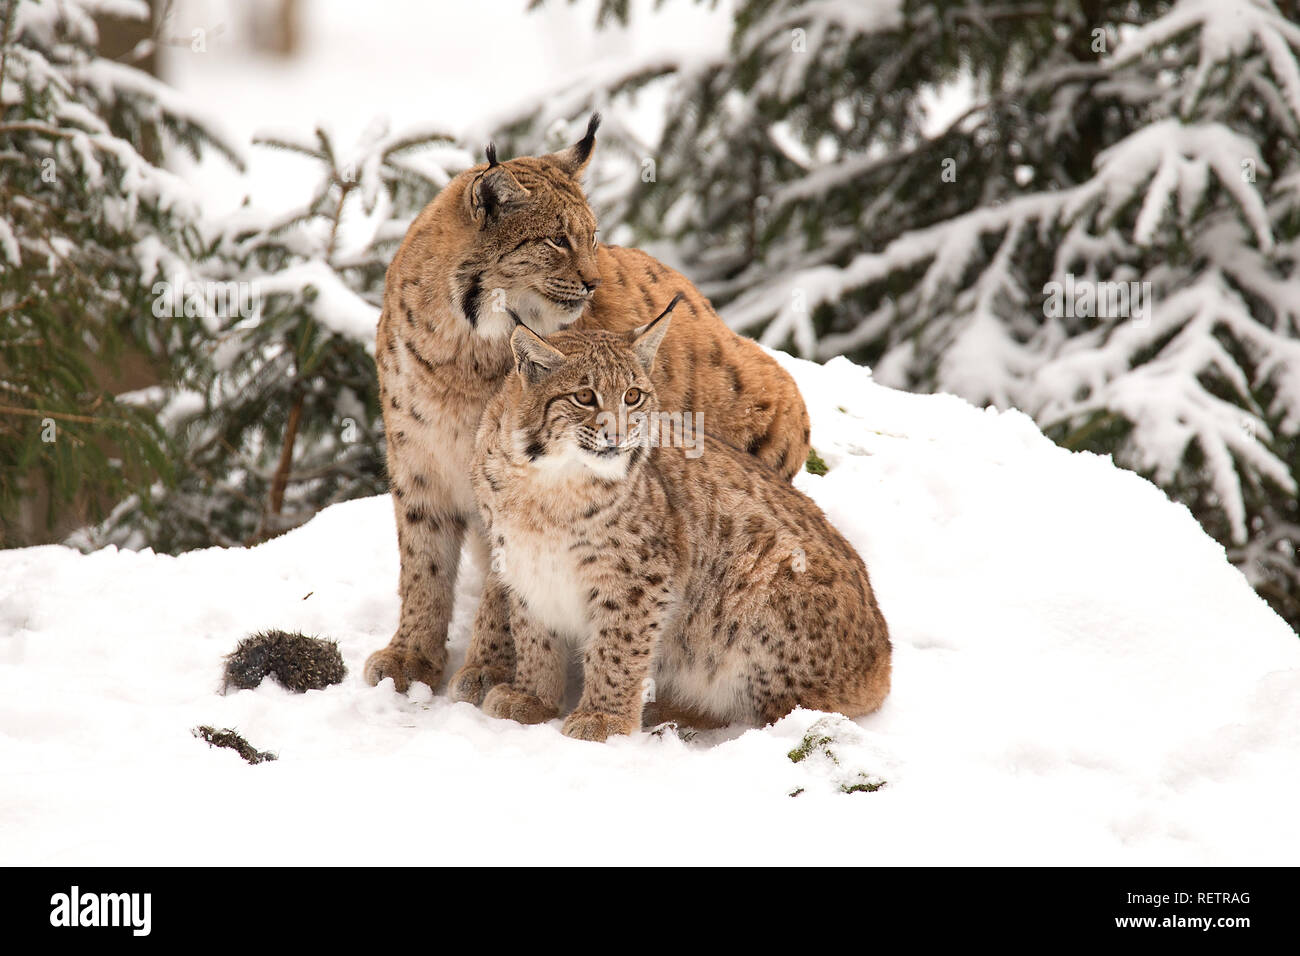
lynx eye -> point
(584, 397)
(632, 397)
(557, 242)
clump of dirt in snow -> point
(297, 662)
(231, 740)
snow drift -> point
(1080, 677)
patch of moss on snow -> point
(818, 740)
(815, 465)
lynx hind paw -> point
(471, 683)
(509, 704)
(405, 667)
(594, 725)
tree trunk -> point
(286, 456)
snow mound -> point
(1079, 677)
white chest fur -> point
(544, 576)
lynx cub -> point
(709, 574)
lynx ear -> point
(494, 190)
(647, 338)
(534, 357)
(575, 159)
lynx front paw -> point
(509, 704)
(595, 725)
(404, 666)
(471, 683)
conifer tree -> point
(87, 217)
(276, 414)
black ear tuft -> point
(573, 160)
(584, 145)
(671, 305)
(491, 152)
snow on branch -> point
(789, 301)
(1155, 164)
(161, 103)
(1165, 397)
(331, 303)
(1168, 159)
(1226, 29)
(790, 30)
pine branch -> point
(65, 416)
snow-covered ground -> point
(1080, 677)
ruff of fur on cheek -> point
(530, 445)
(565, 457)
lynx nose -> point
(610, 435)
(590, 284)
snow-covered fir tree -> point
(260, 326)
(1105, 236)
(87, 216)
(277, 415)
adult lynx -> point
(710, 575)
